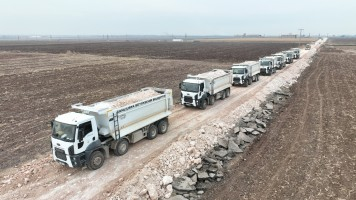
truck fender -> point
(203, 98)
(96, 145)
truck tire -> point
(211, 100)
(249, 81)
(223, 95)
(121, 147)
(257, 77)
(227, 92)
(245, 83)
(204, 104)
(96, 160)
(162, 126)
(152, 132)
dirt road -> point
(309, 150)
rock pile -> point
(201, 177)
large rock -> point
(220, 153)
(251, 125)
(236, 129)
(269, 106)
(203, 176)
(244, 137)
(223, 142)
(183, 184)
(246, 119)
(210, 160)
(249, 130)
(255, 133)
(261, 130)
(167, 180)
(152, 191)
(233, 147)
(261, 123)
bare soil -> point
(309, 150)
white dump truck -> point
(296, 52)
(289, 56)
(83, 138)
(268, 65)
(281, 59)
(246, 72)
(203, 89)
(307, 47)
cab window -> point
(86, 128)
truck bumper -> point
(70, 160)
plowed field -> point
(309, 150)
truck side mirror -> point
(180, 85)
(52, 121)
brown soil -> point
(309, 149)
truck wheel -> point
(246, 83)
(204, 104)
(227, 92)
(96, 160)
(249, 81)
(223, 95)
(211, 100)
(162, 126)
(121, 147)
(152, 132)
(257, 77)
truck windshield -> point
(63, 131)
(265, 63)
(238, 70)
(190, 87)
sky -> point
(177, 17)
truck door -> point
(201, 90)
(85, 136)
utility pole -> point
(300, 35)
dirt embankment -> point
(309, 150)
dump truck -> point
(84, 137)
(289, 56)
(307, 47)
(281, 60)
(296, 52)
(203, 89)
(245, 73)
(268, 65)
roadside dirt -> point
(42, 178)
(309, 149)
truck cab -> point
(296, 52)
(281, 60)
(289, 56)
(268, 65)
(192, 92)
(240, 75)
(74, 137)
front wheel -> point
(204, 104)
(96, 160)
(162, 126)
(152, 132)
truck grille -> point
(188, 99)
(236, 79)
(60, 154)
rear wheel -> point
(96, 160)
(223, 95)
(204, 104)
(227, 92)
(152, 132)
(163, 126)
(211, 100)
(121, 147)
(257, 77)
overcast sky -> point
(166, 17)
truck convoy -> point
(203, 89)
(85, 137)
(246, 72)
(268, 65)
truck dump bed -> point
(122, 115)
